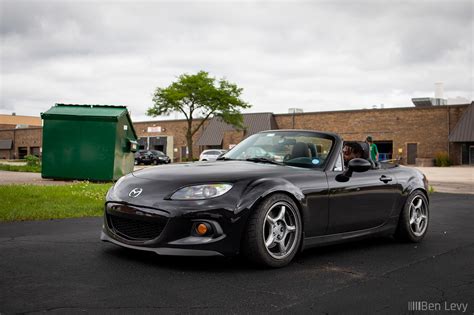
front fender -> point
(417, 181)
(261, 188)
(410, 179)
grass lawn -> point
(32, 202)
(20, 168)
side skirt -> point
(388, 228)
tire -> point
(414, 218)
(277, 222)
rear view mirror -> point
(285, 141)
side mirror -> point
(359, 165)
(355, 165)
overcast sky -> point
(314, 55)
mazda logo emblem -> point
(135, 192)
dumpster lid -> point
(107, 112)
(89, 112)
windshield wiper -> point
(263, 160)
(223, 158)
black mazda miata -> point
(271, 196)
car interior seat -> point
(300, 149)
(313, 150)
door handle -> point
(385, 179)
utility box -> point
(87, 142)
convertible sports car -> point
(273, 195)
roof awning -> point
(6, 144)
(464, 130)
(253, 123)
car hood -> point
(159, 183)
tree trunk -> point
(189, 137)
(189, 140)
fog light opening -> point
(203, 229)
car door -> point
(365, 201)
(314, 187)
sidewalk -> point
(454, 179)
(7, 178)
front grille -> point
(137, 229)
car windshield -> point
(295, 148)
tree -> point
(199, 96)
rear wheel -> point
(273, 233)
(414, 218)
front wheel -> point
(414, 218)
(273, 232)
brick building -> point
(168, 136)
(17, 121)
(407, 133)
(26, 129)
(414, 134)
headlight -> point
(201, 192)
(111, 192)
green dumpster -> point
(87, 142)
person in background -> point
(374, 152)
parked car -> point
(151, 157)
(211, 155)
(274, 194)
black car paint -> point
(331, 211)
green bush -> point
(431, 189)
(32, 160)
(442, 159)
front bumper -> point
(162, 250)
(171, 232)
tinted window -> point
(159, 153)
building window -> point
(22, 152)
(385, 148)
(35, 151)
(467, 153)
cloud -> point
(316, 55)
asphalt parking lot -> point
(60, 266)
